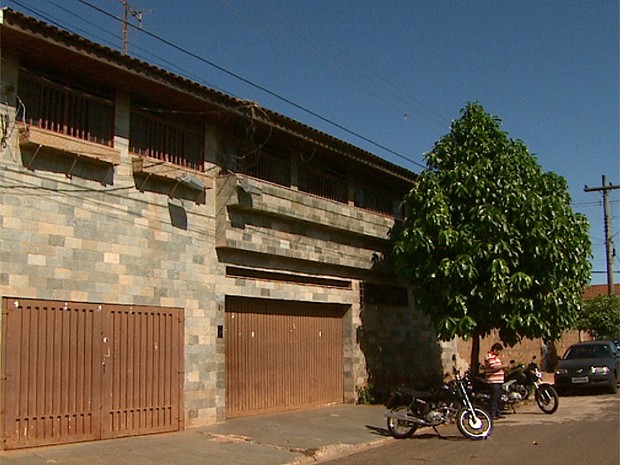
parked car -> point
(590, 364)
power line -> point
(304, 50)
(154, 58)
(384, 82)
(595, 203)
(258, 86)
(59, 23)
(309, 36)
(36, 12)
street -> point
(585, 430)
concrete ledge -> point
(32, 136)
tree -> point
(600, 317)
(490, 241)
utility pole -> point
(608, 244)
(135, 14)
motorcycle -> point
(509, 395)
(409, 409)
(519, 382)
(529, 378)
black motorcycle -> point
(529, 378)
(408, 409)
(481, 394)
(518, 384)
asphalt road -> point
(585, 430)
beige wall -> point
(523, 351)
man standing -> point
(494, 371)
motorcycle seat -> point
(415, 393)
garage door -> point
(80, 372)
(282, 355)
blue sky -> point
(398, 72)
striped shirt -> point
(493, 368)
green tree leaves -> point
(600, 316)
(490, 241)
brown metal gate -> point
(79, 372)
(282, 355)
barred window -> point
(323, 183)
(266, 165)
(154, 137)
(64, 110)
(382, 202)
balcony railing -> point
(71, 112)
(263, 164)
(154, 137)
(324, 184)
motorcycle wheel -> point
(401, 429)
(547, 398)
(474, 427)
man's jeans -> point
(496, 390)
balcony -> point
(265, 218)
(148, 167)
(38, 139)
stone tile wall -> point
(76, 238)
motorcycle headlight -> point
(561, 371)
(599, 370)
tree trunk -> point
(475, 353)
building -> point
(594, 290)
(171, 256)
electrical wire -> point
(308, 36)
(262, 88)
(157, 59)
(58, 22)
(317, 57)
(258, 86)
(21, 186)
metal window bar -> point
(66, 111)
(371, 199)
(323, 185)
(266, 166)
(156, 138)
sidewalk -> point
(285, 438)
